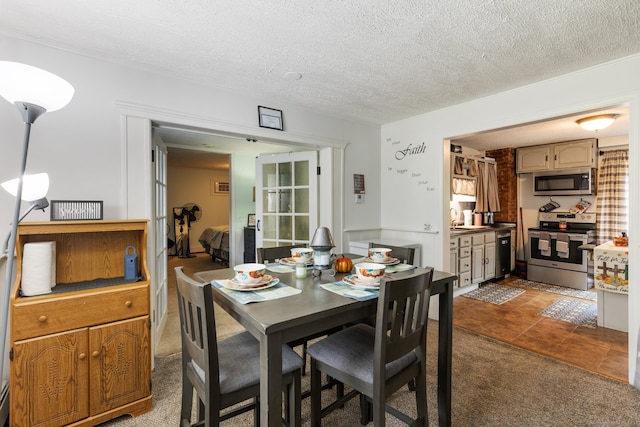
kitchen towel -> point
(38, 268)
(562, 245)
(543, 244)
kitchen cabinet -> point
(564, 155)
(483, 257)
(460, 260)
(82, 353)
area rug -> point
(555, 289)
(494, 293)
(572, 310)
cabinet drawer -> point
(465, 279)
(60, 312)
(490, 237)
(453, 243)
(465, 241)
(465, 252)
(478, 239)
(464, 264)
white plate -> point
(264, 284)
(354, 281)
(291, 261)
(392, 261)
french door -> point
(286, 198)
(160, 290)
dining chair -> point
(274, 253)
(377, 361)
(403, 254)
(224, 373)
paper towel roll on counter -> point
(38, 268)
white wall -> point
(408, 204)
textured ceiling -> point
(371, 60)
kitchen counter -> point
(472, 229)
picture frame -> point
(251, 220)
(219, 187)
(70, 210)
(269, 118)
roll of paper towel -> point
(38, 268)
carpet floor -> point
(493, 384)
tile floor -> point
(517, 322)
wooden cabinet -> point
(82, 353)
(564, 155)
(483, 257)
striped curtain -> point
(613, 195)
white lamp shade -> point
(597, 123)
(35, 186)
(24, 83)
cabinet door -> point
(120, 363)
(477, 264)
(50, 380)
(574, 155)
(531, 159)
(453, 263)
(490, 261)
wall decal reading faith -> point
(411, 150)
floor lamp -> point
(34, 91)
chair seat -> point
(351, 350)
(239, 362)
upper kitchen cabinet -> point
(563, 155)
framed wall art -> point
(269, 118)
(67, 210)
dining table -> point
(312, 309)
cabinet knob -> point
(128, 303)
(95, 354)
(42, 319)
(82, 356)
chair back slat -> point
(403, 305)
(197, 324)
(271, 254)
(405, 255)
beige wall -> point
(188, 185)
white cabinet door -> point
(490, 261)
(477, 264)
(575, 154)
(532, 159)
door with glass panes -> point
(286, 198)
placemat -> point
(341, 288)
(244, 297)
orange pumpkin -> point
(343, 265)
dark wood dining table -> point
(312, 311)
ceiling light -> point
(596, 123)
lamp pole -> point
(30, 113)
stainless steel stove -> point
(557, 251)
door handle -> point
(258, 225)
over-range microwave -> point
(565, 182)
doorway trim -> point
(136, 141)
